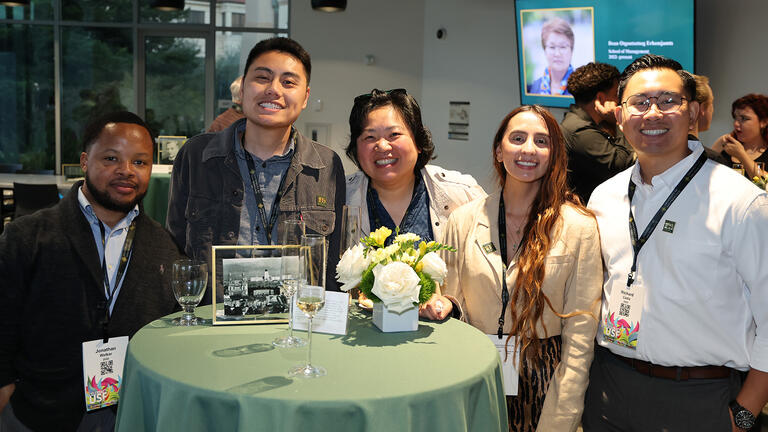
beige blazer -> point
(573, 282)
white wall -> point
(391, 31)
(476, 62)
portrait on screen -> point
(554, 43)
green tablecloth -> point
(156, 199)
(443, 377)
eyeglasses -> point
(666, 103)
(365, 97)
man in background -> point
(233, 113)
(93, 266)
(595, 153)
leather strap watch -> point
(743, 417)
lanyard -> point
(109, 291)
(503, 250)
(260, 198)
(638, 243)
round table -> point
(446, 376)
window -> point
(97, 59)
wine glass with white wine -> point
(311, 295)
(188, 283)
(290, 232)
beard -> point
(103, 199)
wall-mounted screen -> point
(554, 37)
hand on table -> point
(436, 308)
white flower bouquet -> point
(399, 275)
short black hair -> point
(590, 79)
(409, 110)
(280, 44)
(652, 61)
(93, 129)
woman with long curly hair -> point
(528, 272)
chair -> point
(29, 198)
(9, 168)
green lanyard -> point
(638, 243)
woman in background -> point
(747, 143)
(557, 41)
(528, 269)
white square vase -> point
(388, 321)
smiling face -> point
(275, 90)
(117, 167)
(653, 133)
(747, 125)
(525, 148)
(559, 51)
(386, 150)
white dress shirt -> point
(114, 239)
(706, 283)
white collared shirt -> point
(114, 238)
(706, 283)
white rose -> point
(397, 285)
(349, 270)
(435, 267)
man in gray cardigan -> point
(62, 283)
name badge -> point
(621, 325)
(509, 372)
(103, 371)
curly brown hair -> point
(527, 294)
(759, 104)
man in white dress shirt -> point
(683, 337)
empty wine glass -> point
(188, 283)
(289, 234)
(350, 228)
(311, 295)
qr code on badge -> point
(624, 309)
(106, 367)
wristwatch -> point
(743, 417)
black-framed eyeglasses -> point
(666, 103)
(367, 96)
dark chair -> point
(29, 198)
(11, 168)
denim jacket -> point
(206, 196)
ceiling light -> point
(329, 5)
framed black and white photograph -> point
(167, 148)
(246, 282)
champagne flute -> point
(311, 294)
(188, 283)
(289, 234)
(350, 228)
(739, 168)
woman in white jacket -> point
(396, 187)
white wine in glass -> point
(311, 295)
(350, 228)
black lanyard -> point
(109, 291)
(503, 249)
(260, 198)
(638, 243)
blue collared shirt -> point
(114, 238)
(416, 219)
(269, 174)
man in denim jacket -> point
(234, 187)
